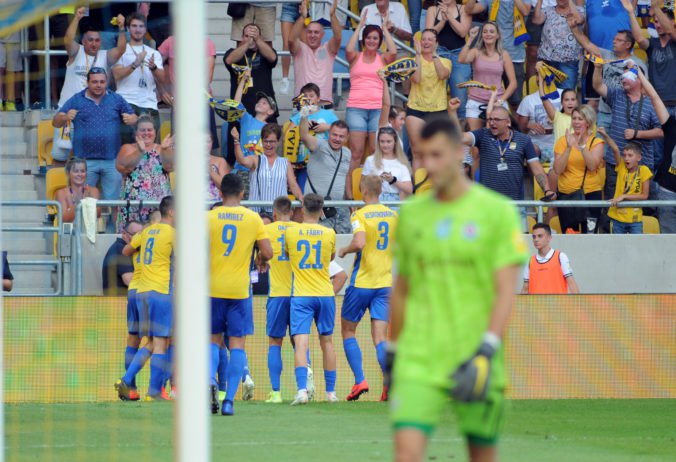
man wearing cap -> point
(633, 119)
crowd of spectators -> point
(614, 102)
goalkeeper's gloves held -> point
(389, 363)
(472, 379)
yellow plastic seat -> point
(555, 224)
(356, 183)
(531, 86)
(531, 223)
(56, 179)
(172, 181)
(421, 181)
(45, 142)
(650, 225)
(165, 129)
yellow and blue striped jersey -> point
(310, 249)
(233, 231)
(138, 265)
(373, 264)
(280, 265)
(156, 247)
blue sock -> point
(245, 371)
(222, 367)
(275, 366)
(309, 364)
(330, 378)
(301, 377)
(234, 372)
(381, 353)
(136, 365)
(353, 353)
(129, 354)
(214, 362)
(158, 370)
(170, 365)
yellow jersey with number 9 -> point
(233, 231)
(280, 266)
(156, 247)
(310, 248)
(373, 265)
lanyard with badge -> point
(142, 81)
(502, 165)
(629, 109)
(87, 67)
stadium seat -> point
(356, 183)
(531, 223)
(165, 129)
(555, 224)
(650, 225)
(45, 141)
(530, 86)
(55, 180)
(420, 181)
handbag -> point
(64, 141)
(237, 10)
(329, 212)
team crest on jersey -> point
(444, 229)
(470, 232)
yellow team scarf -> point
(598, 60)
(550, 75)
(520, 32)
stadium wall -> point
(603, 264)
(64, 350)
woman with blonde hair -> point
(578, 159)
(390, 163)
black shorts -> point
(589, 92)
(426, 116)
(534, 31)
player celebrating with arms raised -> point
(233, 232)
(458, 252)
(373, 227)
(311, 247)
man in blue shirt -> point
(99, 114)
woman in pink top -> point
(489, 61)
(366, 88)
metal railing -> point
(56, 231)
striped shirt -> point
(268, 182)
(503, 174)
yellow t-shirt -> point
(156, 248)
(430, 94)
(571, 179)
(373, 265)
(561, 123)
(138, 265)
(310, 249)
(233, 231)
(280, 265)
(629, 183)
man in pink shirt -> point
(312, 60)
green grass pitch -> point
(570, 430)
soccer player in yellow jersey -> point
(233, 232)
(373, 228)
(311, 247)
(154, 294)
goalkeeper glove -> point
(472, 378)
(389, 363)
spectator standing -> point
(534, 120)
(559, 48)
(271, 175)
(451, 22)
(489, 62)
(262, 15)
(388, 15)
(560, 119)
(548, 271)
(75, 190)
(428, 97)
(504, 13)
(578, 161)
(82, 58)
(145, 166)
(7, 276)
(253, 52)
(327, 170)
(312, 59)
(10, 66)
(218, 168)
(604, 19)
(117, 269)
(390, 164)
(98, 113)
(366, 89)
(139, 75)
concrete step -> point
(17, 195)
(18, 182)
(18, 165)
(16, 148)
(14, 215)
(22, 244)
(12, 134)
(28, 291)
(11, 119)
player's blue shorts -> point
(231, 316)
(132, 313)
(249, 317)
(305, 309)
(156, 314)
(278, 316)
(357, 300)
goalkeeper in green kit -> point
(458, 250)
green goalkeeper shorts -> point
(414, 404)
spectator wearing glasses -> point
(549, 270)
(99, 113)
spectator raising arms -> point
(560, 118)
(428, 98)
(365, 101)
(388, 15)
(145, 166)
(489, 62)
(77, 189)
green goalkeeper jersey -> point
(449, 252)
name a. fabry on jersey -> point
(311, 232)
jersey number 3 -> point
(305, 246)
(384, 235)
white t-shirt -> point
(139, 88)
(531, 106)
(392, 166)
(398, 16)
(76, 72)
(563, 260)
